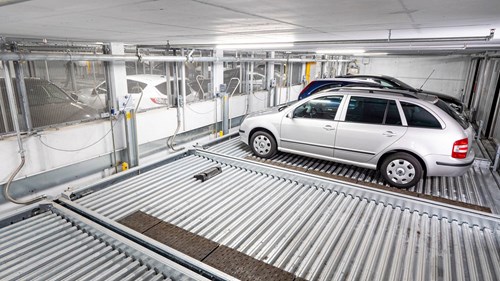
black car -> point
(328, 83)
(389, 82)
(48, 105)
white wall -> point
(40, 158)
(448, 78)
(151, 125)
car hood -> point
(268, 111)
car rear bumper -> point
(442, 165)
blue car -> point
(324, 84)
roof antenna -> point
(426, 79)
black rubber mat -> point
(139, 221)
(245, 267)
(184, 241)
(223, 258)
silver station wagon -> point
(402, 136)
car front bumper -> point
(243, 136)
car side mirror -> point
(74, 96)
(289, 115)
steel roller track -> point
(54, 244)
(309, 226)
(470, 188)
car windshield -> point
(45, 93)
(454, 114)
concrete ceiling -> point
(243, 21)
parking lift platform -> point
(46, 241)
(478, 188)
(309, 226)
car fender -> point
(413, 144)
(261, 123)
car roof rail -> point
(379, 91)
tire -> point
(401, 170)
(263, 144)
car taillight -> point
(460, 148)
(160, 100)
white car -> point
(153, 89)
(402, 136)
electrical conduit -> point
(15, 121)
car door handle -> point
(329, 128)
(389, 134)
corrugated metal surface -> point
(51, 246)
(469, 188)
(315, 233)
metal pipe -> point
(47, 73)
(183, 91)
(111, 109)
(23, 96)
(170, 142)
(480, 129)
(377, 41)
(9, 56)
(15, 121)
(497, 159)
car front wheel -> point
(401, 170)
(263, 144)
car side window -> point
(366, 110)
(135, 87)
(320, 108)
(416, 116)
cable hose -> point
(9, 182)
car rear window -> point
(135, 87)
(450, 111)
(162, 87)
(416, 116)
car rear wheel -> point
(401, 170)
(263, 144)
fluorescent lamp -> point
(10, 2)
(254, 46)
(341, 51)
(370, 54)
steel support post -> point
(23, 96)
(225, 113)
(271, 83)
(131, 136)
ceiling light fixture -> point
(370, 54)
(341, 52)
(252, 46)
(11, 2)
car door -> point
(369, 126)
(310, 127)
